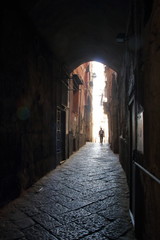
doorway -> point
(132, 138)
(60, 135)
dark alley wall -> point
(34, 106)
(151, 70)
(27, 103)
(139, 96)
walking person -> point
(101, 135)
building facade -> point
(80, 106)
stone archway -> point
(81, 31)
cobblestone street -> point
(85, 198)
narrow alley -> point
(55, 183)
(86, 197)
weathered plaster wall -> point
(78, 102)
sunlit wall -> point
(99, 118)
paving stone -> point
(71, 231)
(57, 186)
(83, 194)
(113, 212)
(54, 209)
(46, 221)
(95, 236)
(98, 186)
(36, 232)
(69, 192)
(100, 205)
(9, 231)
(96, 196)
(24, 223)
(76, 204)
(93, 222)
(84, 198)
(116, 229)
(29, 209)
(61, 199)
(72, 216)
(46, 193)
(72, 182)
(16, 215)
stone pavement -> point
(85, 198)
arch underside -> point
(81, 31)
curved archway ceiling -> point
(80, 31)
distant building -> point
(80, 107)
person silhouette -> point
(101, 135)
